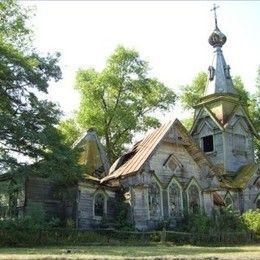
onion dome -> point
(217, 38)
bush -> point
(228, 220)
(251, 220)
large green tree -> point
(119, 100)
(29, 141)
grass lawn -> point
(155, 251)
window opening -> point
(154, 200)
(194, 199)
(229, 201)
(99, 205)
(208, 143)
(258, 204)
(175, 199)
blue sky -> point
(171, 35)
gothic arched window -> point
(154, 200)
(194, 198)
(175, 199)
(229, 201)
(99, 205)
(257, 202)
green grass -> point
(154, 251)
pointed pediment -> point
(240, 127)
(172, 163)
(204, 112)
(205, 129)
(240, 114)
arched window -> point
(257, 202)
(193, 198)
(229, 201)
(175, 199)
(154, 200)
(99, 205)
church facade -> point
(172, 171)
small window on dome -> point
(207, 142)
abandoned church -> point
(172, 170)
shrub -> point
(251, 220)
(228, 220)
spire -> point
(219, 79)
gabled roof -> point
(142, 151)
(225, 120)
(211, 115)
(146, 148)
(246, 116)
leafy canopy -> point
(29, 141)
(119, 100)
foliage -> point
(251, 219)
(29, 140)
(187, 122)
(122, 213)
(36, 212)
(34, 219)
(227, 220)
(70, 130)
(70, 223)
(192, 93)
(119, 100)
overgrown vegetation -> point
(251, 220)
(226, 220)
(30, 143)
(227, 227)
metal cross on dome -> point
(215, 14)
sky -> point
(171, 35)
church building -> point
(173, 171)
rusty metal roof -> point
(144, 149)
(142, 152)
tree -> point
(119, 100)
(192, 93)
(29, 140)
